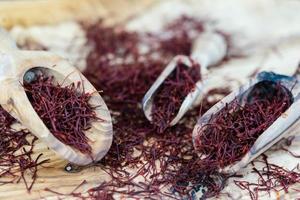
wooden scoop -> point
(281, 127)
(208, 49)
(14, 64)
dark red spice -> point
(16, 150)
(116, 67)
(181, 34)
(111, 80)
(171, 94)
(64, 110)
(271, 177)
(284, 144)
(163, 160)
(290, 152)
(160, 161)
(112, 42)
(232, 131)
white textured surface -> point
(65, 39)
(252, 23)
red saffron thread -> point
(64, 110)
(271, 177)
(232, 131)
(16, 149)
(285, 143)
(165, 160)
(171, 94)
(290, 152)
(116, 66)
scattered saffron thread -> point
(167, 163)
(168, 160)
(271, 177)
(16, 152)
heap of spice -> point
(167, 163)
(64, 110)
(172, 92)
(141, 162)
(230, 133)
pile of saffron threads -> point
(271, 177)
(64, 110)
(16, 153)
(171, 94)
(141, 162)
(230, 133)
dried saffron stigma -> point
(142, 163)
(231, 132)
(16, 153)
(271, 177)
(64, 110)
(172, 92)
